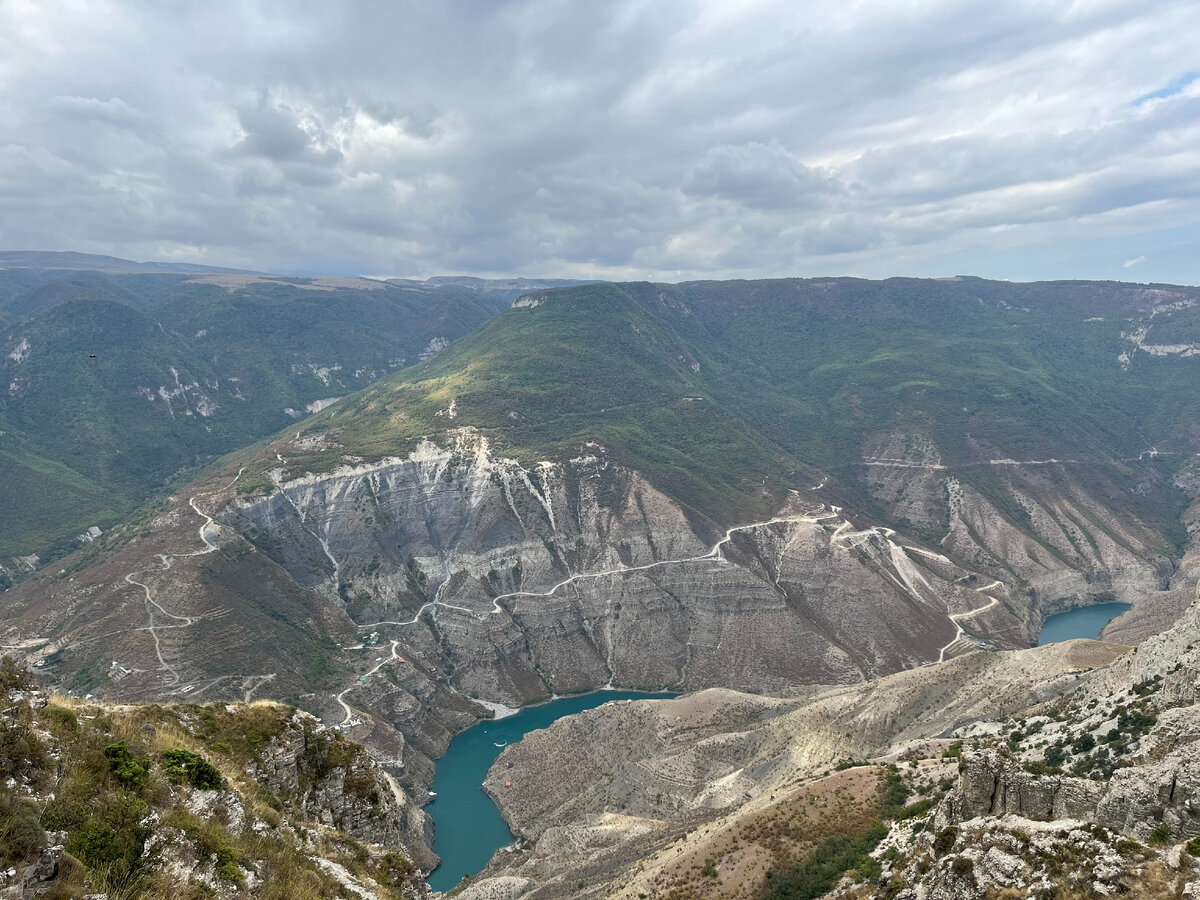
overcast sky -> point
(663, 140)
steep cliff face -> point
(561, 578)
(1135, 801)
(1049, 525)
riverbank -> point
(467, 827)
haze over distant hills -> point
(91, 262)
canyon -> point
(483, 533)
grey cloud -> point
(623, 139)
(762, 176)
(114, 110)
(274, 131)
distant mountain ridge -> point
(74, 261)
(91, 262)
(494, 284)
(118, 377)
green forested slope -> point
(726, 393)
(113, 385)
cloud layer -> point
(621, 139)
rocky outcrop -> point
(1141, 798)
(992, 784)
(1157, 785)
(1012, 856)
(240, 800)
(336, 783)
(35, 878)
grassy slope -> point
(43, 499)
(792, 374)
(121, 784)
(591, 364)
(82, 441)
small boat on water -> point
(497, 744)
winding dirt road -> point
(956, 618)
(167, 559)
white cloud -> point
(625, 139)
(1137, 260)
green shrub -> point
(113, 840)
(65, 814)
(183, 765)
(1193, 847)
(920, 808)
(1161, 834)
(1083, 743)
(396, 869)
(128, 768)
(1136, 720)
(944, 842)
(21, 834)
(21, 751)
(819, 872)
(227, 868)
(895, 794)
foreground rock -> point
(224, 801)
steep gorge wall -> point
(568, 577)
(1063, 531)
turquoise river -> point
(1085, 622)
(467, 827)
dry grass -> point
(729, 858)
(230, 738)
